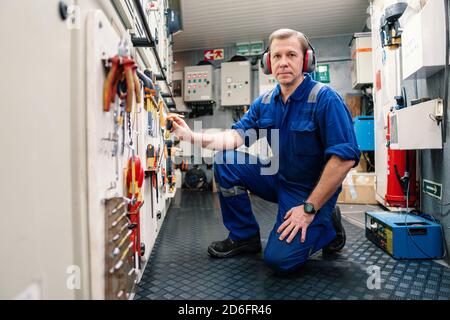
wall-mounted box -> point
(198, 83)
(423, 41)
(415, 127)
(364, 130)
(236, 83)
(250, 48)
(361, 68)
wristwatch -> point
(309, 208)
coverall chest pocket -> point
(264, 128)
(303, 136)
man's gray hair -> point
(287, 33)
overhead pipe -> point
(150, 42)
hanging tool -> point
(124, 240)
(169, 165)
(115, 222)
(121, 119)
(150, 92)
(150, 100)
(163, 177)
(122, 69)
(152, 159)
(134, 181)
(162, 120)
(169, 169)
(169, 126)
(121, 261)
(155, 183)
(118, 207)
(119, 233)
(111, 81)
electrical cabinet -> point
(198, 83)
(76, 240)
(361, 67)
(423, 41)
(236, 83)
(266, 81)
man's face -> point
(286, 58)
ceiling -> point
(221, 23)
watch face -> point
(309, 208)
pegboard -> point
(105, 171)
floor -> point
(180, 268)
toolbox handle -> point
(417, 231)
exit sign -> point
(322, 73)
(432, 188)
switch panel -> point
(198, 83)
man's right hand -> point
(180, 128)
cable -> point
(371, 166)
(406, 225)
(141, 13)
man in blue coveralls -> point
(317, 148)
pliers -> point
(121, 68)
(150, 91)
(133, 84)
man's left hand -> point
(295, 219)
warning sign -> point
(218, 54)
(215, 54)
(208, 54)
(152, 6)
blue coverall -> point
(313, 124)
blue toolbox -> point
(404, 236)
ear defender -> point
(265, 62)
(309, 61)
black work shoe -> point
(339, 242)
(228, 248)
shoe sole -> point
(234, 252)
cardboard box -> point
(353, 102)
(363, 165)
(358, 188)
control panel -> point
(236, 83)
(198, 83)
